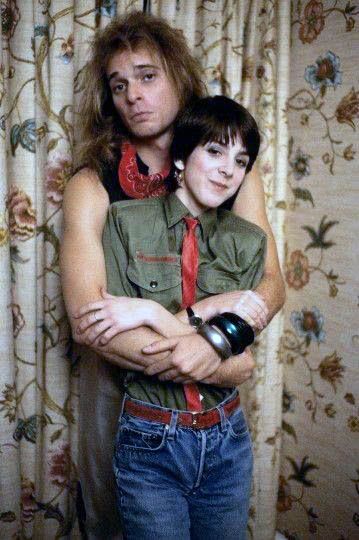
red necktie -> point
(189, 276)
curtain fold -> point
(243, 47)
(44, 48)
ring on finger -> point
(94, 314)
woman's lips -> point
(218, 185)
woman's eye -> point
(213, 150)
(242, 163)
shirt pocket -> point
(157, 277)
(211, 280)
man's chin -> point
(144, 131)
(147, 131)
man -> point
(140, 76)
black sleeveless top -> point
(112, 185)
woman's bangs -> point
(223, 134)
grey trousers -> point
(100, 406)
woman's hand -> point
(100, 321)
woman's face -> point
(212, 174)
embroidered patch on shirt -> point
(156, 258)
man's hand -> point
(186, 362)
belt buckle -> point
(194, 418)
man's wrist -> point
(212, 335)
(228, 333)
(207, 308)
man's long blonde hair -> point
(101, 127)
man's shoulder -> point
(236, 224)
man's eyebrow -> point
(144, 66)
(138, 68)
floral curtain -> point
(243, 48)
(44, 47)
(319, 481)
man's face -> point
(143, 94)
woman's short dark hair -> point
(215, 119)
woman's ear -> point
(179, 164)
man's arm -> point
(233, 371)
(82, 263)
(184, 366)
(250, 205)
(83, 272)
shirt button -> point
(153, 284)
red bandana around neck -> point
(135, 184)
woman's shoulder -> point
(236, 224)
(134, 206)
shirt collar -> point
(175, 211)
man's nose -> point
(133, 92)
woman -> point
(194, 466)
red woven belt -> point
(197, 420)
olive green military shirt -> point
(142, 244)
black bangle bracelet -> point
(239, 333)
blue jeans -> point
(179, 483)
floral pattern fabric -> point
(319, 483)
(44, 47)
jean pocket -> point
(237, 425)
(141, 436)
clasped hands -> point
(100, 321)
(190, 358)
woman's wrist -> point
(164, 322)
(153, 312)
